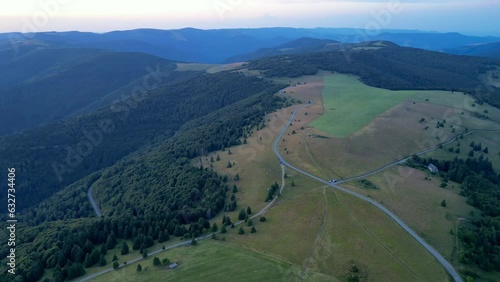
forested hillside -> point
(42, 85)
(149, 196)
(49, 158)
(395, 68)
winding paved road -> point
(447, 266)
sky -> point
(472, 17)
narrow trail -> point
(318, 236)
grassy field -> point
(415, 196)
(356, 233)
(417, 200)
(350, 105)
(210, 260)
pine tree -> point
(125, 249)
(242, 214)
(145, 253)
(111, 241)
(223, 229)
(249, 210)
(115, 258)
(241, 231)
(253, 230)
(249, 222)
(443, 203)
(229, 165)
(139, 268)
(88, 261)
(116, 265)
(104, 250)
(262, 219)
(214, 227)
(217, 158)
(156, 262)
(102, 261)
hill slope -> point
(49, 158)
(41, 85)
(396, 68)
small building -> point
(433, 168)
(172, 265)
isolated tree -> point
(293, 183)
(145, 253)
(443, 203)
(211, 159)
(235, 189)
(229, 165)
(236, 177)
(249, 222)
(156, 262)
(223, 229)
(165, 261)
(249, 210)
(217, 158)
(485, 150)
(214, 237)
(115, 258)
(125, 250)
(262, 219)
(253, 230)
(242, 214)
(139, 268)
(241, 231)
(116, 265)
(193, 242)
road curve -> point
(94, 204)
(446, 265)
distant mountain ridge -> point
(484, 50)
(308, 45)
(218, 45)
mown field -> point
(350, 105)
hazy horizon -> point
(478, 18)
